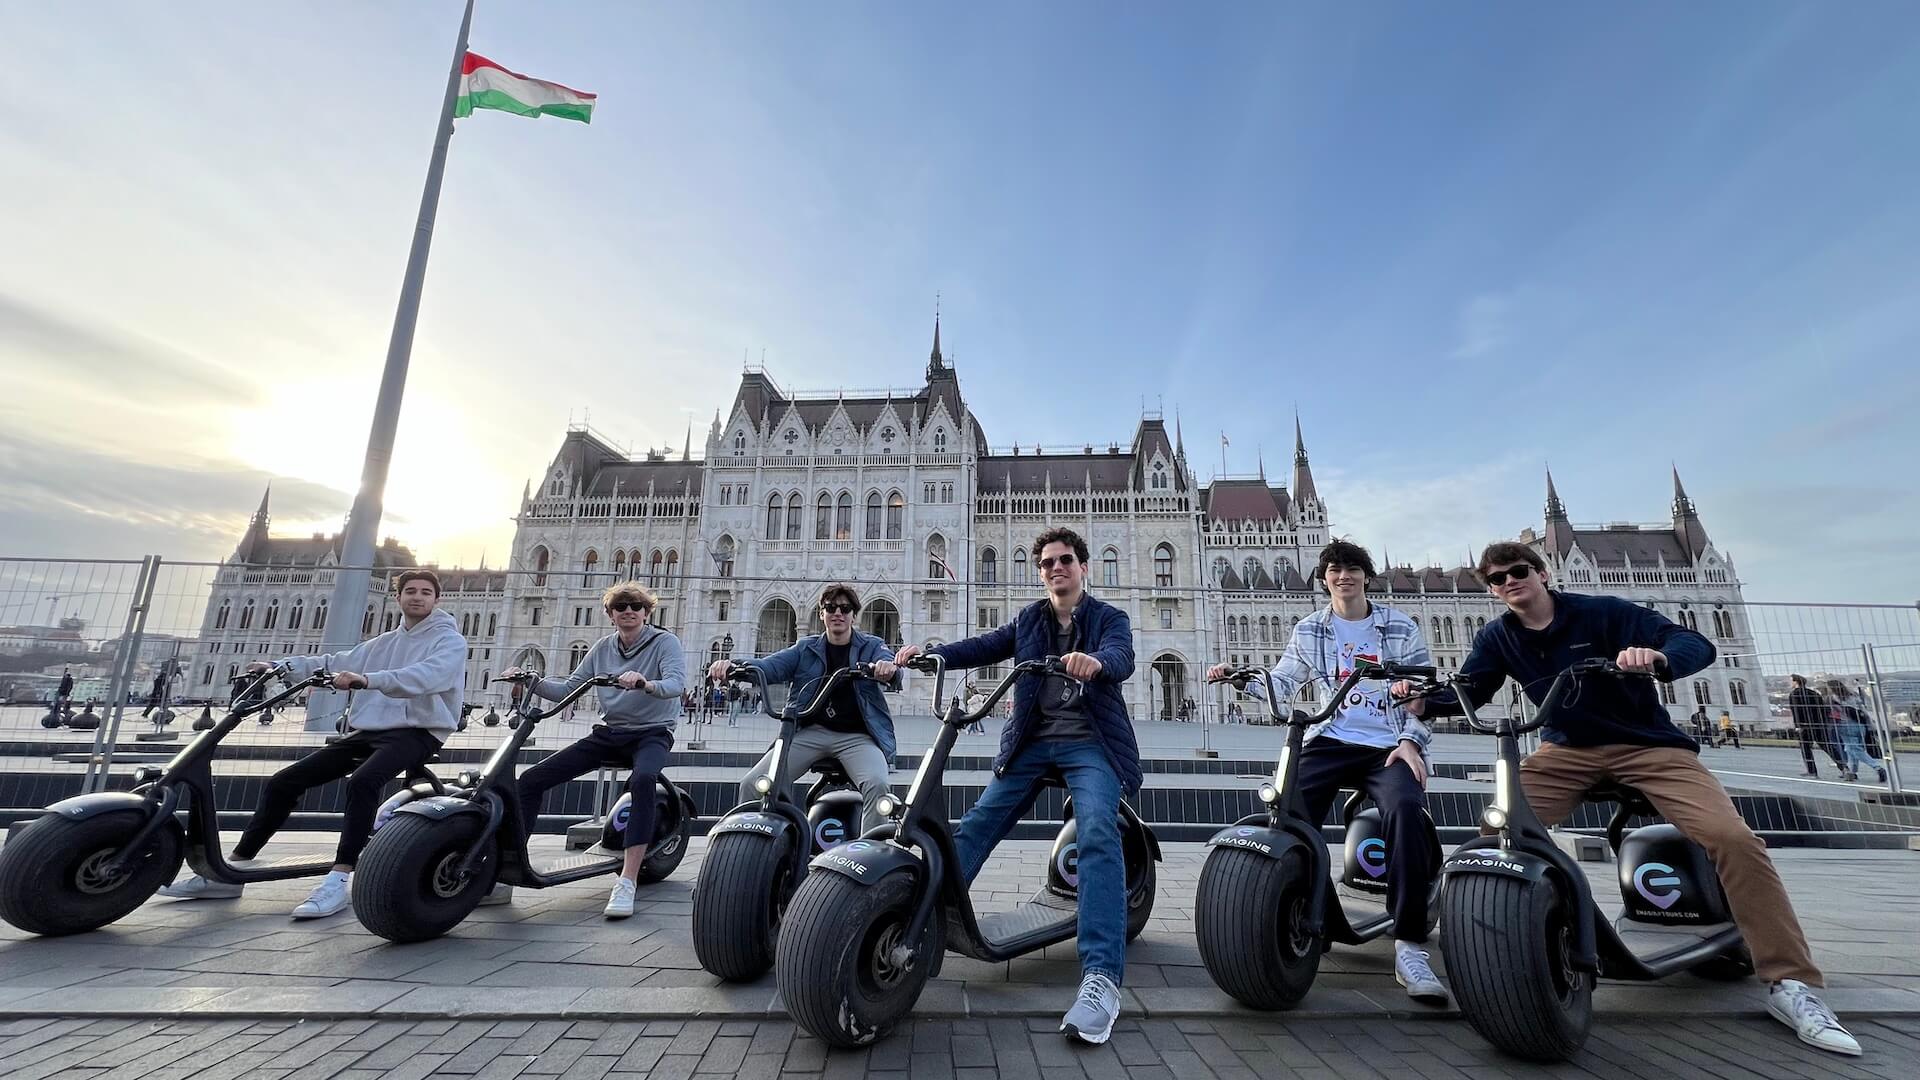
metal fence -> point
(123, 626)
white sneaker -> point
(620, 904)
(330, 897)
(1792, 1003)
(499, 894)
(1411, 970)
(195, 887)
(1094, 1011)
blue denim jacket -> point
(804, 663)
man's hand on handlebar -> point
(631, 680)
(905, 654)
(1411, 698)
(1080, 665)
(348, 680)
(883, 670)
(1640, 661)
(1218, 672)
(717, 671)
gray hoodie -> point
(658, 658)
(415, 676)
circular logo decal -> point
(1067, 864)
(1373, 856)
(828, 832)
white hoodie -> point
(415, 676)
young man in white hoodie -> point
(1370, 744)
(412, 679)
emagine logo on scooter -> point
(1373, 856)
(1663, 891)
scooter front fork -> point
(902, 954)
(122, 861)
(470, 865)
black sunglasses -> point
(627, 605)
(837, 608)
(1065, 558)
(1518, 573)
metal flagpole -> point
(350, 584)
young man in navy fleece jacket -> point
(1616, 729)
(1087, 738)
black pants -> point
(1806, 751)
(1413, 849)
(644, 750)
(371, 757)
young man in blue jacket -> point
(1616, 729)
(857, 728)
(1088, 739)
(1371, 744)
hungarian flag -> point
(486, 85)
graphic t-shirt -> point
(1362, 719)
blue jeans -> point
(1096, 812)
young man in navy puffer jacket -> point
(1087, 738)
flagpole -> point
(363, 521)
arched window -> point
(1246, 630)
(723, 556)
(673, 565)
(220, 617)
(272, 618)
(540, 560)
(1233, 632)
(1435, 620)
(873, 515)
(493, 624)
(1449, 625)
(1738, 691)
(777, 629)
(823, 516)
(937, 556)
(881, 619)
(1702, 692)
(843, 518)
(576, 655)
(1281, 568)
(619, 565)
(1163, 565)
(387, 622)
(246, 614)
(653, 568)
(1110, 568)
(939, 440)
(739, 442)
(1266, 632)
(1667, 696)
(1220, 568)
(320, 615)
(776, 506)
(587, 566)
(794, 506)
(1020, 566)
(896, 516)
(989, 566)
(297, 614)
(1249, 569)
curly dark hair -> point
(1344, 553)
(1061, 536)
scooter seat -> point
(831, 771)
(1631, 799)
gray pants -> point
(858, 754)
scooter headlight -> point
(1494, 818)
(1269, 794)
(886, 805)
(763, 783)
(146, 774)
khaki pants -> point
(859, 755)
(1686, 794)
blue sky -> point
(1464, 240)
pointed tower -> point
(686, 453)
(1686, 520)
(254, 544)
(1559, 529)
(935, 362)
(1303, 491)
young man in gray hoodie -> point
(412, 677)
(637, 716)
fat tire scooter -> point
(874, 917)
(1266, 908)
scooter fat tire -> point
(404, 888)
(50, 872)
(1140, 900)
(1249, 913)
(664, 856)
(736, 904)
(832, 964)
(1508, 944)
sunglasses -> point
(627, 605)
(837, 608)
(1064, 559)
(1517, 573)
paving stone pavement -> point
(963, 1049)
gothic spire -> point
(1556, 510)
(1559, 536)
(1686, 519)
(1682, 505)
(1303, 489)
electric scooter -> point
(91, 859)
(757, 854)
(1266, 909)
(436, 858)
(1523, 938)
(874, 917)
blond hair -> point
(630, 592)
